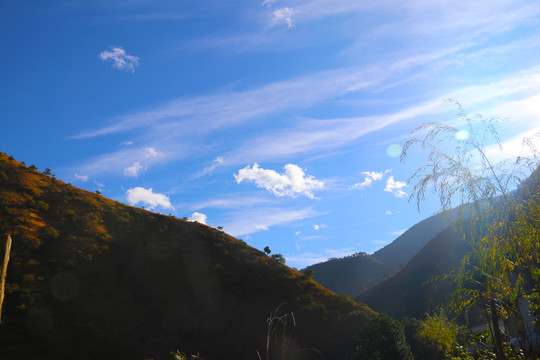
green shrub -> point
(382, 338)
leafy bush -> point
(382, 338)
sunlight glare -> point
(462, 135)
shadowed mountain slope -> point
(411, 292)
(414, 290)
(354, 274)
(91, 278)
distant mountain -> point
(398, 253)
(91, 278)
(413, 291)
(416, 289)
(352, 274)
(356, 273)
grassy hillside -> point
(91, 278)
(354, 274)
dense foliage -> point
(383, 338)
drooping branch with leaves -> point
(499, 212)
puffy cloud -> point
(133, 170)
(120, 59)
(395, 187)
(198, 217)
(318, 227)
(370, 176)
(152, 153)
(291, 183)
(82, 177)
(284, 15)
(149, 198)
(387, 212)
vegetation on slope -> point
(93, 278)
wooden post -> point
(3, 274)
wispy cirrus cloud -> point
(234, 201)
(186, 122)
(263, 219)
(209, 113)
(398, 232)
(128, 161)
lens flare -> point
(393, 150)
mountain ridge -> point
(355, 273)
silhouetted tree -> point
(279, 257)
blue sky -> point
(279, 120)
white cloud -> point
(152, 153)
(284, 15)
(318, 227)
(399, 232)
(126, 143)
(297, 233)
(149, 198)
(209, 169)
(293, 182)
(133, 170)
(269, 3)
(83, 178)
(395, 187)
(120, 59)
(387, 212)
(370, 176)
(198, 217)
(261, 227)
